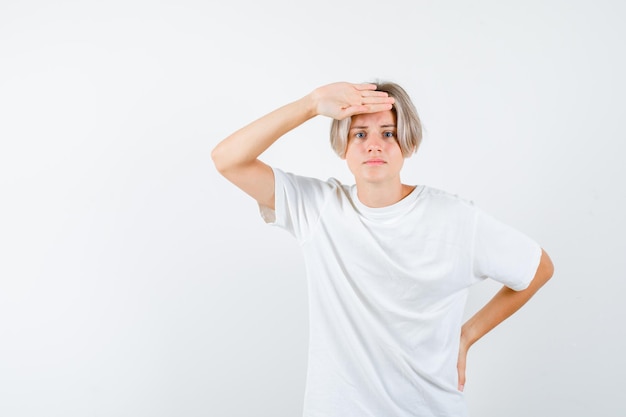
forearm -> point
(337, 100)
(245, 145)
(504, 304)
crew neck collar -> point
(391, 211)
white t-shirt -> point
(387, 289)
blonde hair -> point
(409, 126)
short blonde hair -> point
(409, 126)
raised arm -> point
(499, 308)
(236, 157)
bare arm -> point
(236, 157)
(499, 308)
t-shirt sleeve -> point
(503, 253)
(298, 203)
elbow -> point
(218, 159)
(546, 266)
(226, 161)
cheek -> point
(352, 149)
(353, 157)
(393, 147)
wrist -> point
(311, 103)
(468, 337)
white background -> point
(135, 281)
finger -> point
(354, 110)
(365, 86)
(375, 108)
(376, 93)
(461, 379)
(349, 112)
(461, 372)
(378, 100)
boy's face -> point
(373, 153)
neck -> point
(382, 195)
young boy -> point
(388, 264)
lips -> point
(375, 161)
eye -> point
(359, 135)
(389, 134)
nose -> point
(374, 143)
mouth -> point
(374, 161)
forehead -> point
(386, 117)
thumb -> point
(351, 111)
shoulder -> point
(309, 188)
(442, 199)
(447, 216)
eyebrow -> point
(365, 127)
